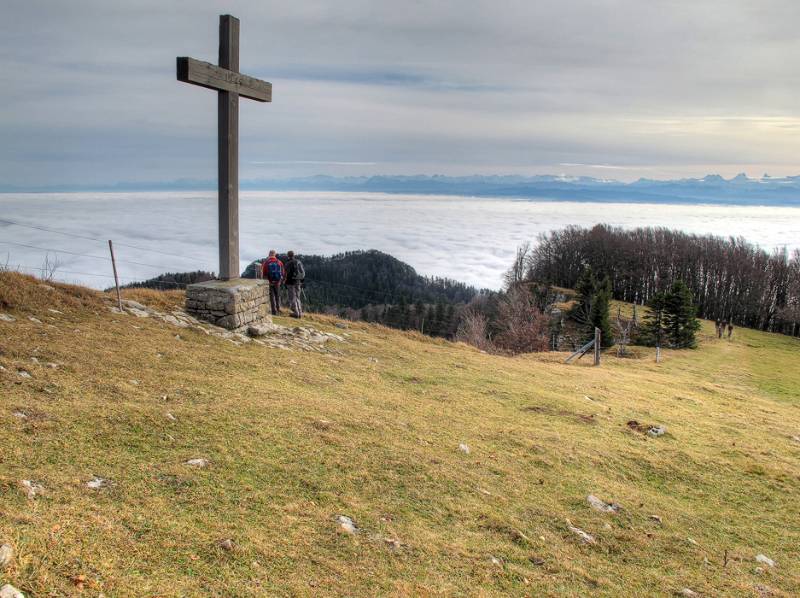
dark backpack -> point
(274, 271)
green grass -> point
(297, 438)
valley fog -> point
(468, 239)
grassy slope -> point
(727, 474)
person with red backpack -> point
(272, 269)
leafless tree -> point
(50, 266)
(525, 327)
(473, 329)
(516, 274)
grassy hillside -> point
(371, 429)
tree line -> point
(729, 279)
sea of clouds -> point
(468, 239)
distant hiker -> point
(272, 269)
(730, 330)
(295, 274)
(719, 328)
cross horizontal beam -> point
(215, 77)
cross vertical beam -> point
(228, 152)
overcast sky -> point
(615, 88)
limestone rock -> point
(96, 483)
(23, 374)
(656, 431)
(227, 544)
(32, 489)
(464, 448)
(9, 591)
(601, 505)
(6, 556)
(171, 417)
(346, 524)
(585, 537)
(761, 558)
(688, 592)
(198, 462)
(34, 320)
(7, 318)
(133, 305)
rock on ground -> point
(32, 489)
(463, 448)
(199, 462)
(7, 318)
(9, 591)
(346, 524)
(6, 556)
(601, 505)
(97, 482)
(688, 592)
(584, 536)
(656, 431)
(761, 558)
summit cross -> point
(230, 84)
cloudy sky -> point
(608, 88)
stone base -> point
(232, 304)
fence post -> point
(658, 353)
(597, 346)
(116, 279)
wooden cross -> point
(230, 84)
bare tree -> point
(49, 267)
(473, 329)
(516, 274)
(525, 327)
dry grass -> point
(295, 439)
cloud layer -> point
(472, 240)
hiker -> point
(272, 269)
(719, 328)
(730, 330)
(295, 274)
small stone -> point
(171, 417)
(32, 489)
(761, 558)
(7, 318)
(96, 483)
(34, 320)
(373, 360)
(601, 505)
(796, 438)
(688, 592)
(54, 311)
(53, 365)
(227, 544)
(692, 541)
(34, 360)
(496, 562)
(9, 591)
(23, 374)
(199, 462)
(656, 431)
(346, 524)
(392, 543)
(178, 337)
(341, 325)
(134, 382)
(20, 414)
(655, 518)
(585, 537)
(463, 448)
(6, 556)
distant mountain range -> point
(740, 190)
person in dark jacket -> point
(272, 269)
(295, 274)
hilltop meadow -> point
(389, 463)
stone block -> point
(232, 304)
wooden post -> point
(116, 279)
(658, 353)
(228, 153)
(597, 346)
